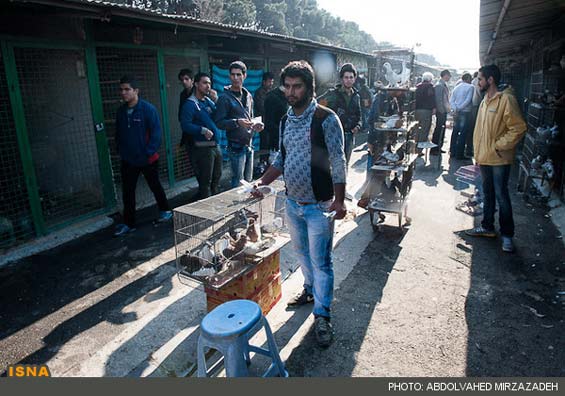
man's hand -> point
(255, 192)
(213, 94)
(258, 127)
(339, 208)
(208, 134)
(244, 123)
(355, 130)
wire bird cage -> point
(221, 237)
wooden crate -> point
(267, 296)
(261, 284)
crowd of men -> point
(309, 142)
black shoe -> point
(324, 331)
(301, 299)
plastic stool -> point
(228, 329)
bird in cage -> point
(235, 247)
(253, 232)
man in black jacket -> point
(276, 107)
(344, 99)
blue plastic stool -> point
(228, 329)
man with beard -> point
(498, 130)
(312, 162)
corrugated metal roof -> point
(522, 22)
(188, 20)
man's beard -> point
(487, 86)
(300, 103)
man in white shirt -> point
(461, 105)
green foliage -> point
(298, 18)
(240, 13)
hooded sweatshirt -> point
(498, 129)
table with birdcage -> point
(399, 141)
(231, 244)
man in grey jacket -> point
(442, 109)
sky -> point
(446, 29)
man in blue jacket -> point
(234, 111)
(202, 136)
(138, 137)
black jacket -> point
(350, 116)
(276, 107)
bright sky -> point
(446, 29)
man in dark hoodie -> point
(202, 137)
(345, 100)
(138, 137)
(234, 111)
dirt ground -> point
(431, 301)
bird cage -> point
(221, 237)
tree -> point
(271, 16)
(209, 10)
(240, 13)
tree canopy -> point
(296, 18)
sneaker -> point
(122, 229)
(507, 245)
(165, 216)
(324, 331)
(480, 231)
(301, 299)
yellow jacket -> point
(498, 129)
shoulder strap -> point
(282, 128)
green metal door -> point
(61, 134)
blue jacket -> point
(196, 114)
(138, 135)
(228, 110)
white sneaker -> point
(507, 244)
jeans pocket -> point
(324, 206)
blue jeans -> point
(495, 189)
(241, 159)
(312, 237)
(459, 135)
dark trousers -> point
(130, 174)
(470, 132)
(439, 131)
(495, 189)
(207, 165)
(349, 140)
(459, 134)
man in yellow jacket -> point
(498, 129)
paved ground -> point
(427, 301)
